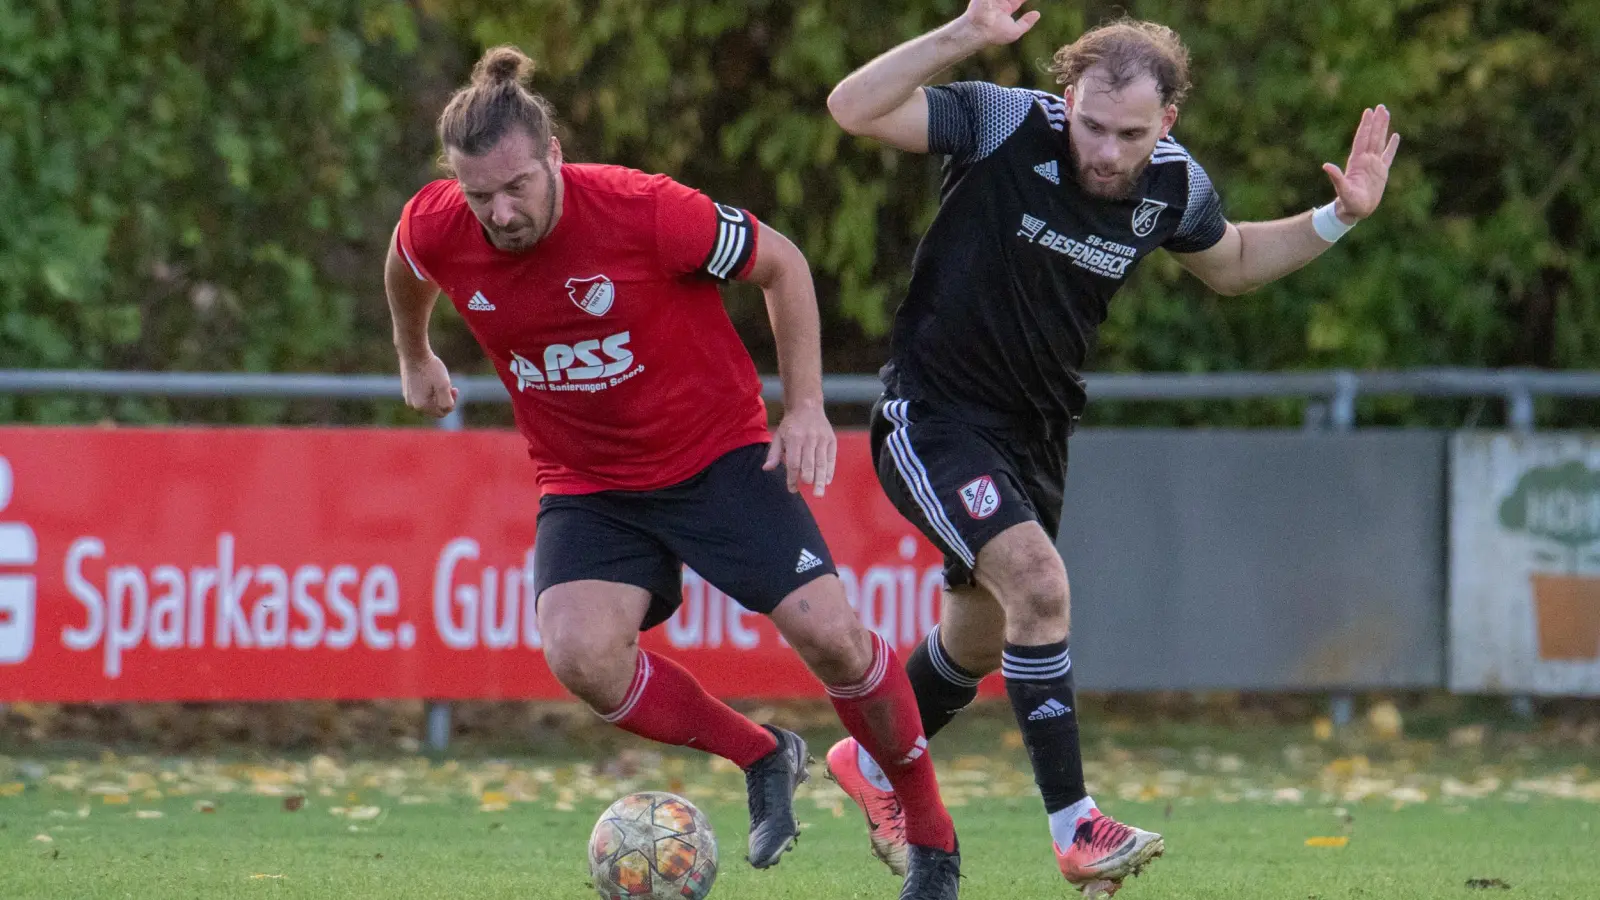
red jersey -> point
(624, 369)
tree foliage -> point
(211, 186)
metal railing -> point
(1331, 392)
(1331, 402)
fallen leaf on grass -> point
(205, 806)
(12, 788)
(1404, 795)
(1385, 721)
(1336, 841)
(114, 799)
(1484, 884)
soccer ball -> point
(653, 846)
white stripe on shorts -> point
(916, 478)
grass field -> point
(1419, 819)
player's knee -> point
(837, 652)
(825, 631)
(1037, 607)
(844, 657)
(598, 675)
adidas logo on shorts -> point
(480, 303)
(808, 561)
(1050, 709)
(1050, 171)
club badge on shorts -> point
(980, 497)
(594, 295)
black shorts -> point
(961, 483)
(736, 526)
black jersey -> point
(1011, 282)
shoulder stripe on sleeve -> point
(412, 263)
(1169, 150)
(1055, 108)
(732, 249)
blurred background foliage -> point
(211, 185)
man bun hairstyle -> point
(1126, 50)
(497, 100)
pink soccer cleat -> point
(886, 820)
(1104, 852)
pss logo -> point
(587, 366)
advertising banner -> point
(1525, 564)
(278, 564)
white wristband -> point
(1328, 225)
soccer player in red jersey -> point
(594, 290)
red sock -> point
(666, 704)
(880, 711)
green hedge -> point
(211, 185)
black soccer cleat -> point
(771, 782)
(933, 874)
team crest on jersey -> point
(1144, 218)
(980, 497)
(594, 295)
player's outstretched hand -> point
(804, 442)
(1360, 185)
(426, 385)
(991, 20)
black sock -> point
(1039, 682)
(942, 687)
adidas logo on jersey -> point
(1050, 171)
(808, 561)
(480, 303)
(1050, 709)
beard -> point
(1110, 185)
(515, 238)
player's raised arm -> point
(1252, 254)
(884, 98)
(423, 377)
(804, 441)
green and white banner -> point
(1525, 563)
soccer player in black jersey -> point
(1047, 205)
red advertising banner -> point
(279, 564)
